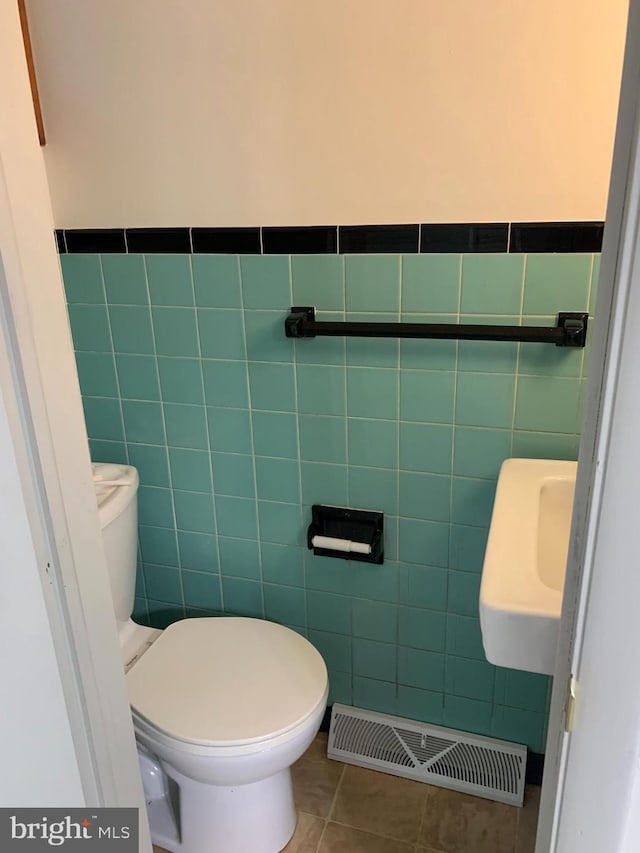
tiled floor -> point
(345, 809)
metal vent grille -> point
(470, 763)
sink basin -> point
(525, 561)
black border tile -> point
(465, 237)
(556, 237)
(226, 241)
(60, 242)
(167, 240)
(300, 240)
(358, 239)
(101, 240)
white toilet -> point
(221, 706)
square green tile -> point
(526, 690)
(323, 351)
(229, 430)
(265, 281)
(90, 328)
(82, 276)
(158, 545)
(108, 451)
(374, 695)
(176, 331)
(322, 439)
(422, 629)
(464, 593)
(162, 614)
(545, 445)
(180, 380)
(372, 282)
(236, 517)
(467, 715)
(480, 452)
(221, 333)
(198, 551)
(282, 564)
(97, 374)
(242, 597)
(416, 704)
(190, 470)
(467, 547)
(472, 501)
(155, 507)
(321, 390)
(427, 396)
(151, 463)
(373, 488)
(424, 542)
(492, 283)
(425, 496)
(278, 479)
(318, 280)
(430, 283)
(125, 279)
(272, 386)
(103, 418)
(169, 278)
(420, 668)
(233, 475)
(275, 434)
(547, 404)
(186, 426)
(556, 282)
(425, 447)
(372, 352)
(327, 612)
(464, 637)
(425, 354)
(280, 523)
(422, 586)
(163, 583)
(284, 604)
(373, 443)
(239, 558)
(520, 726)
(372, 393)
(341, 689)
(138, 377)
(194, 512)
(374, 620)
(488, 356)
(334, 648)
(472, 679)
(545, 360)
(131, 329)
(374, 660)
(265, 337)
(225, 383)
(347, 577)
(216, 280)
(485, 399)
(202, 590)
(324, 483)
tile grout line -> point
(331, 807)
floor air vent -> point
(476, 765)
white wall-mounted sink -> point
(525, 561)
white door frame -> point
(39, 387)
(591, 772)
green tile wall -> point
(237, 430)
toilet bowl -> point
(221, 706)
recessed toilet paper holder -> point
(349, 534)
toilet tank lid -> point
(115, 486)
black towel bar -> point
(570, 329)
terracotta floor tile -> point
(379, 803)
(528, 820)
(307, 835)
(315, 780)
(344, 839)
(459, 823)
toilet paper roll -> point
(345, 545)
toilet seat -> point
(226, 684)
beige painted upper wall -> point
(291, 112)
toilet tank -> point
(116, 493)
